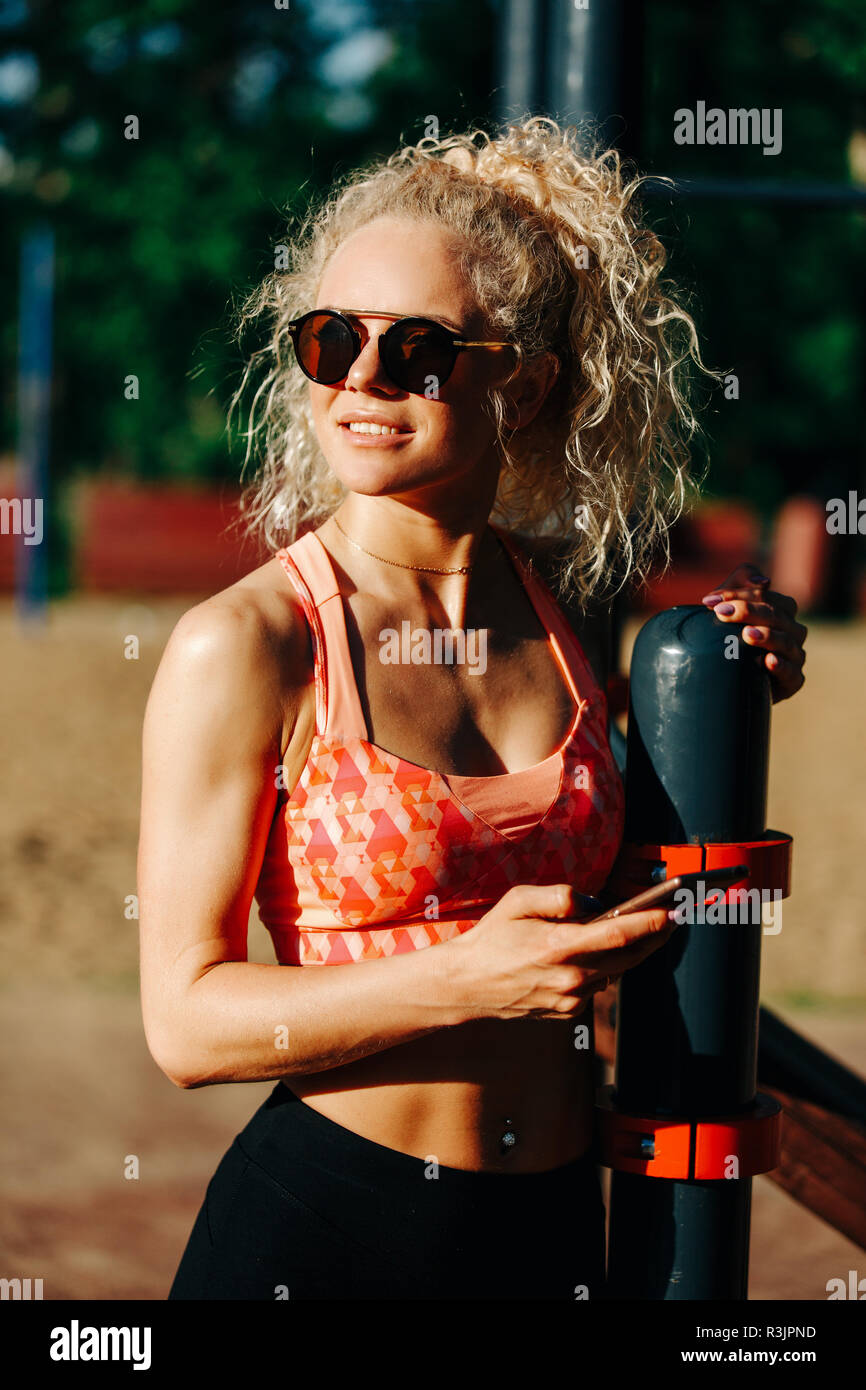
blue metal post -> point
(34, 416)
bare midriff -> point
(452, 1096)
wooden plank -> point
(823, 1164)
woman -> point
(358, 734)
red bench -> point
(158, 539)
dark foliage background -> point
(246, 110)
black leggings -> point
(301, 1207)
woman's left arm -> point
(770, 618)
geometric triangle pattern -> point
(371, 855)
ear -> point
(530, 388)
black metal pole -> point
(687, 1018)
(575, 64)
(522, 58)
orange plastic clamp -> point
(662, 1146)
(769, 860)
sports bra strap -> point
(338, 707)
(577, 670)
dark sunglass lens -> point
(325, 348)
(419, 357)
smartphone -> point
(663, 893)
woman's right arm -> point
(229, 695)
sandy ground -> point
(82, 1093)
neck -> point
(412, 536)
(407, 537)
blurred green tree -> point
(779, 286)
(245, 111)
(242, 111)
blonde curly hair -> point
(558, 260)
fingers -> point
(550, 900)
(787, 604)
(615, 946)
(746, 577)
(581, 960)
(574, 986)
(775, 638)
(538, 900)
(573, 991)
(787, 676)
(599, 985)
(740, 609)
(616, 963)
(769, 624)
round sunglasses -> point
(417, 353)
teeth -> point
(366, 427)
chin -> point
(369, 481)
(379, 478)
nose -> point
(366, 372)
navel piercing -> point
(509, 1138)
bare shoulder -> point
(592, 627)
(257, 620)
(246, 649)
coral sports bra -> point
(370, 855)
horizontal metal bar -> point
(761, 191)
(790, 1062)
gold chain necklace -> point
(426, 569)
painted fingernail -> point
(725, 608)
(672, 915)
(755, 633)
(711, 598)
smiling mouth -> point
(366, 427)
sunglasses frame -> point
(455, 343)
